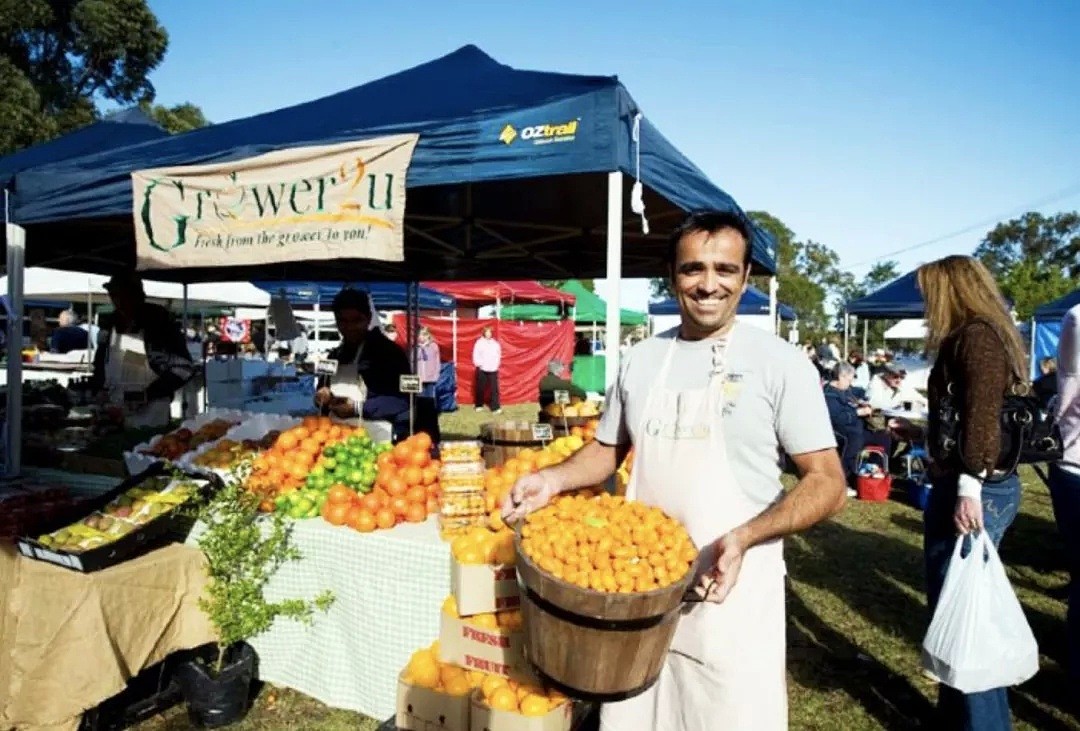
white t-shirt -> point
(773, 401)
(1068, 379)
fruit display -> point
(425, 670)
(498, 481)
(461, 451)
(462, 504)
(136, 507)
(406, 489)
(576, 409)
(227, 454)
(607, 544)
(479, 545)
(505, 694)
(509, 621)
(184, 440)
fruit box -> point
(483, 718)
(423, 709)
(167, 527)
(483, 588)
(478, 648)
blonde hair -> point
(959, 290)
(425, 330)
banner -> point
(343, 201)
(235, 330)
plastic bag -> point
(979, 638)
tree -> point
(879, 275)
(176, 119)
(1034, 258)
(59, 58)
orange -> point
(412, 475)
(491, 684)
(336, 513)
(396, 487)
(534, 705)
(416, 513)
(457, 686)
(416, 494)
(385, 518)
(430, 475)
(287, 441)
(422, 440)
(383, 460)
(432, 505)
(419, 457)
(401, 452)
(340, 494)
(399, 505)
(311, 423)
(449, 606)
(503, 699)
(364, 521)
(371, 503)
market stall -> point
(1046, 328)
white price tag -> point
(326, 367)
(542, 432)
(562, 397)
(410, 384)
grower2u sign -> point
(342, 201)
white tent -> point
(907, 330)
(56, 285)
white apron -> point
(128, 370)
(726, 667)
(347, 383)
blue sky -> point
(867, 126)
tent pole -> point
(847, 323)
(16, 258)
(613, 276)
(1033, 366)
(773, 287)
(184, 390)
(865, 335)
(317, 353)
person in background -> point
(427, 361)
(142, 359)
(846, 415)
(582, 346)
(553, 381)
(368, 380)
(487, 357)
(300, 346)
(1065, 475)
(391, 332)
(861, 378)
(69, 336)
(1045, 386)
(887, 391)
(978, 355)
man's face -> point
(892, 380)
(708, 279)
(352, 324)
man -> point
(707, 408)
(887, 391)
(69, 336)
(142, 360)
(553, 381)
(1065, 475)
(487, 357)
(861, 378)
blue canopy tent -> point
(897, 300)
(385, 295)
(1046, 328)
(753, 302)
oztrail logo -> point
(541, 134)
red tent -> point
(476, 294)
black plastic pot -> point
(216, 700)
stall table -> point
(389, 587)
(69, 641)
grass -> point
(856, 617)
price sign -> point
(562, 397)
(410, 384)
(326, 367)
(542, 432)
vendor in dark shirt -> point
(69, 336)
(554, 381)
(369, 367)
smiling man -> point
(709, 408)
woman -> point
(427, 361)
(369, 368)
(979, 355)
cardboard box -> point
(422, 709)
(487, 650)
(483, 718)
(483, 588)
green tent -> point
(589, 308)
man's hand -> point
(530, 492)
(726, 556)
(968, 516)
(864, 411)
(343, 408)
(323, 397)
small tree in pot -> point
(243, 550)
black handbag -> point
(1028, 434)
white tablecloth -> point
(389, 587)
(913, 415)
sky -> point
(870, 127)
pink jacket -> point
(487, 354)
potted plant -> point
(243, 549)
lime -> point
(356, 477)
(330, 452)
(317, 471)
(329, 463)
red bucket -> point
(874, 487)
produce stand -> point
(384, 584)
(71, 640)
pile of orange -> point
(506, 621)
(587, 432)
(284, 467)
(504, 694)
(425, 670)
(498, 481)
(608, 544)
(406, 490)
(479, 545)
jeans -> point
(1065, 494)
(956, 711)
(485, 381)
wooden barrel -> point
(505, 439)
(595, 645)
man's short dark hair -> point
(352, 299)
(710, 222)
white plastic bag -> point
(979, 638)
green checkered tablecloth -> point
(389, 587)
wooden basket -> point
(596, 645)
(503, 440)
